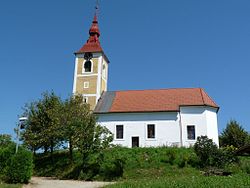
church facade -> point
(142, 118)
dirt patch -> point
(42, 182)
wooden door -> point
(135, 141)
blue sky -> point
(150, 44)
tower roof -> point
(93, 44)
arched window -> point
(87, 66)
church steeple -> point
(93, 44)
(91, 67)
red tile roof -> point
(93, 44)
(153, 100)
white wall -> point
(169, 126)
(212, 125)
(135, 124)
(203, 118)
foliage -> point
(245, 165)
(210, 155)
(205, 149)
(84, 133)
(15, 168)
(234, 135)
(19, 168)
(74, 113)
(52, 122)
(6, 153)
(5, 140)
(110, 163)
(113, 169)
(43, 128)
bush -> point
(14, 168)
(209, 154)
(6, 153)
(193, 160)
(245, 166)
(114, 169)
(205, 149)
(19, 167)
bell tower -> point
(91, 68)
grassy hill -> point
(144, 167)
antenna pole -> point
(97, 7)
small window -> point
(191, 132)
(119, 131)
(151, 131)
(85, 99)
(104, 70)
(87, 66)
(86, 84)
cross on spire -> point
(96, 7)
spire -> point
(93, 43)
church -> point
(142, 118)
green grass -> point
(3, 185)
(135, 158)
(149, 167)
(176, 181)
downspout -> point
(181, 141)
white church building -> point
(142, 118)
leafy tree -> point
(234, 135)
(5, 140)
(73, 114)
(43, 127)
(52, 122)
(89, 137)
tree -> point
(73, 114)
(82, 130)
(5, 140)
(233, 135)
(52, 121)
(43, 126)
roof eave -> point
(203, 105)
(101, 51)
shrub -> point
(181, 162)
(170, 158)
(209, 154)
(114, 169)
(193, 160)
(245, 166)
(205, 149)
(19, 167)
(5, 154)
